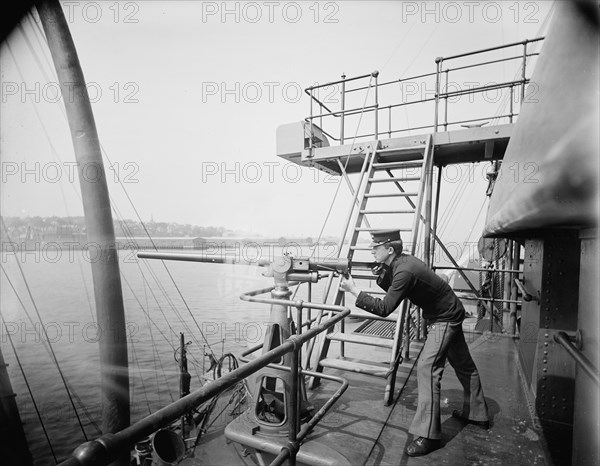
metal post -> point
(512, 96)
(390, 121)
(343, 108)
(376, 74)
(310, 136)
(446, 106)
(108, 292)
(492, 303)
(512, 320)
(299, 378)
(438, 62)
(507, 279)
(523, 73)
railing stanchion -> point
(523, 71)
(446, 104)
(343, 107)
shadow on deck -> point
(367, 432)
(370, 433)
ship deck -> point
(367, 432)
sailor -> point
(404, 276)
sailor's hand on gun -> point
(347, 284)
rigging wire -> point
(35, 406)
(45, 335)
(105, 154)
(137, 363)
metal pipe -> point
(491, 62)
(354, 111)
(526, 295)
(342, 107)
(106, 448)
(347, 80)
(446, 105)
(478, 298)
(293, 409)
(438, 63)
(487, 87)
(108, 293)
(513, 288)
(318, 416)
(581, 360)
(523, 71)
(376, 75)
(476, 269)
(490, 49)
(512, 96)
(310, 136)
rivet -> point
(564, 399)
(545, 369)
(554, 398)
(543, 377)
(546, 326)
(546, 343)
(546, 335)
(545, 352)
(543, 386)
(553, 405)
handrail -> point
(580, 359)
(440, 95)
(491, 49)
(295, 434)
(108, 447)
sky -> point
(187, 97)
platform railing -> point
(109, 447)
(440, 98)
(296, 434)
(492, 299)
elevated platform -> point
(478, 144)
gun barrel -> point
(192, 257)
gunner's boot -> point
(422, 446)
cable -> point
(45, 335)
(35, 406)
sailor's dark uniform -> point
(408, 277)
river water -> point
(154, 294)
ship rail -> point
(108, 447)
(440, 97)
(582, 361)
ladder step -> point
(362, 339)
(392, 165)
(385, 211)
(363, 367)
(377, 229)
(388, 180)
(353, 365)
(401, 149)
(364, 277)
(405, 194)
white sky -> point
(158, 70)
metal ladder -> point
(378, 331)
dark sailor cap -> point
(384, 236)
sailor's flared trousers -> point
(445, 340)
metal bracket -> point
(526, 295)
